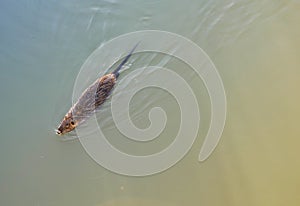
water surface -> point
(255, 46)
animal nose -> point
(58, 132)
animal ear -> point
(68, 115)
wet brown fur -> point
(91, 99)
(94, 96)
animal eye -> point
(67, 125)
(72, 123)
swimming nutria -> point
(91, 99)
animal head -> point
(67, 125)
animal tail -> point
(116, 71)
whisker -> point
(66, 139)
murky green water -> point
(255, 46)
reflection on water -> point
(255, 46)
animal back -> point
(94, 96)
